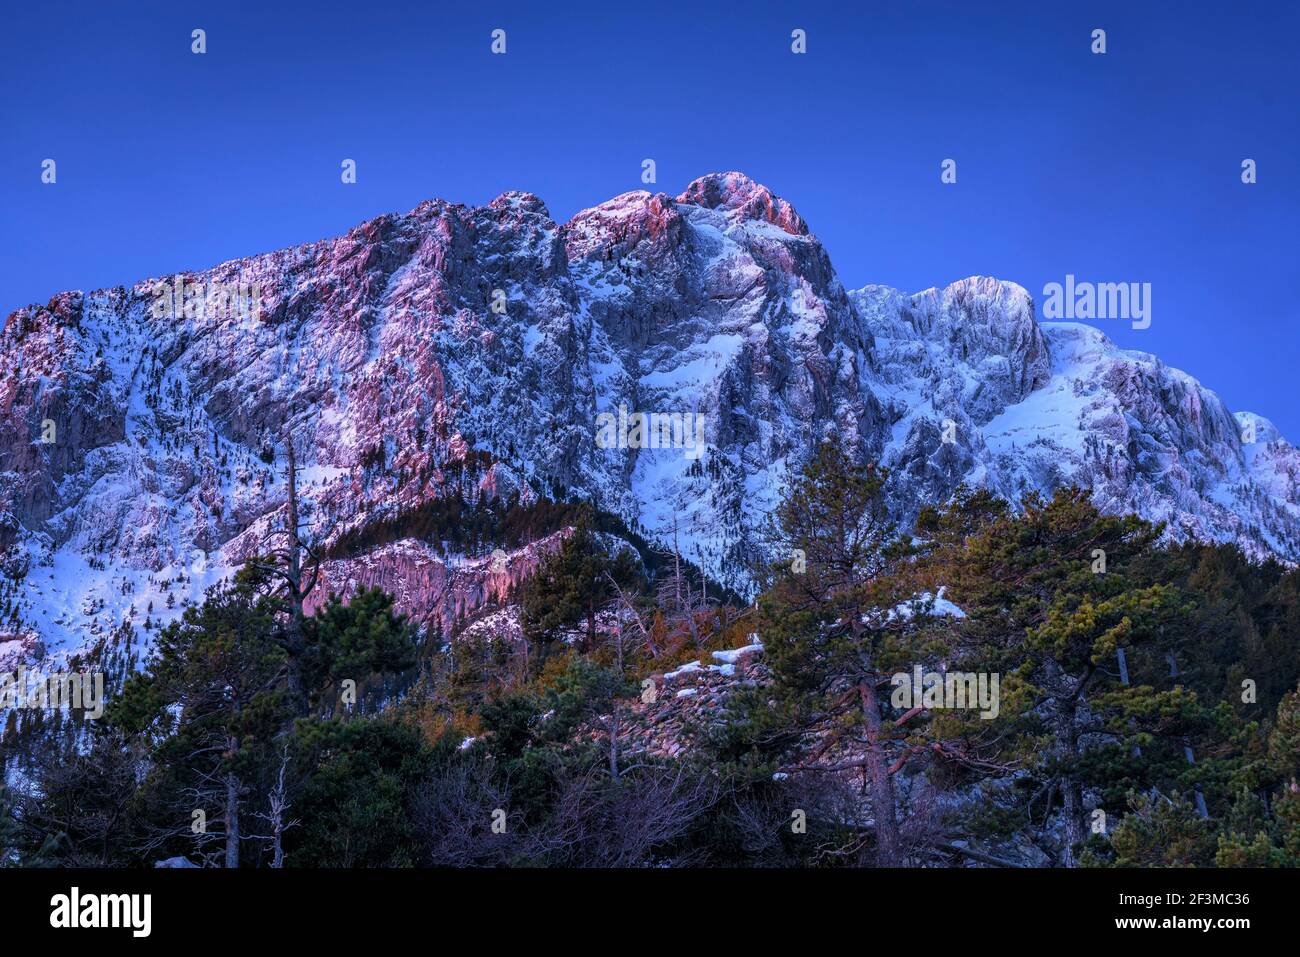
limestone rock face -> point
(465, 356)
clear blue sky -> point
(1123, 167)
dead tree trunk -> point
(677, 567)
(1201, 807)
(286, 565)
(232, 816)
(623, 599)
(279, 803)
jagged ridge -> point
(380, 353)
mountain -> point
(445, 376)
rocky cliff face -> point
(468, 355)
(1032, 406)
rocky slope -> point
(465, 355)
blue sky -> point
(1116, 168)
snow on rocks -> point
(379, 351)
(494, 624)
(935, 605)
(670, 723)
(735, 654)
(689, 668)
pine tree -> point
(1051, 596)
(1160, 831)
(357, 640)
(214, 698)
(571, 586)
(830, 650)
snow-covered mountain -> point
(1036, 405)
(472, 354)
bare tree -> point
(286, 566)
(277, 808)
(78, 800)
(454, 812)
(623, 601)
(595, 822)
(680, 600)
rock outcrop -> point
(461, 358)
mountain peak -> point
(1261, 428)
(520, 201)
(387, 357)
(742, 198)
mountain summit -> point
(454, 360)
